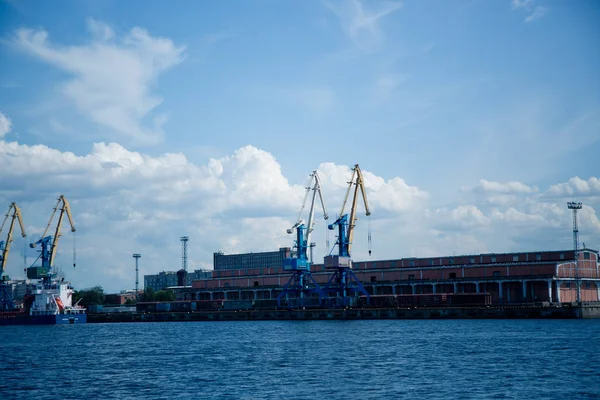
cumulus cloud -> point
(128, 202)
(111, 78)
(512, 187)
(125, 201)
(576, 187)
(5, 125)
(361, 25)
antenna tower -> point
(184, 240)
(137, 257)
(576, 206)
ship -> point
(48, 303)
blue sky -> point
(467, 115)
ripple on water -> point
(303, 360)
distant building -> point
(119, 298)
(269, 259)
(16, 288)
(169, 278)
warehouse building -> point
(269, 259)
(543, 276)
(166, 279)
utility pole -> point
(137, 257)
(576, 207)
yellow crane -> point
(358, 182)
(14, 213)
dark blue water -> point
(504, 359)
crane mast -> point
(49, 244)
(298, 282)
(14, 213)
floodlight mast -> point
(576, 206)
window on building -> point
(588, 285)
(227, 285)
(568, 285)
(538, 257)
(411, 277)
(493, 258)
(373, 278)
(515, 258)
(562, 256)
(452, 275)
(472, 260)
(412, 263)
(255, 283)
(586, 255)
(496, 273)
(451, 261)
(431, 262)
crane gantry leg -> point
(345, 284)
(302, 285)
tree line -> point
(96, 296)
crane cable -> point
(74, 249)
(369, 234)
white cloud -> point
(511, 187)
(576, 187)
(538, 13)
(5, 125)
(362, 26)
(111, 78)
(125, 201)
(516, 4)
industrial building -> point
(166, 279)
(542, 276)
(270, 259)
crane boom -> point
(304, 231)
(48, 256)
(359, 184)
(65, 209)
(316, 190)
(5, 246)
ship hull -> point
(54, 319)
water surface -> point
(501, 359)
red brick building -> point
(545, 276)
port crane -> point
(344, 281)
(49, 244)
(301, 283)
(14, 213)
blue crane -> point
(301, 283)
(344, 281)
(14, 213)
(49, 244)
